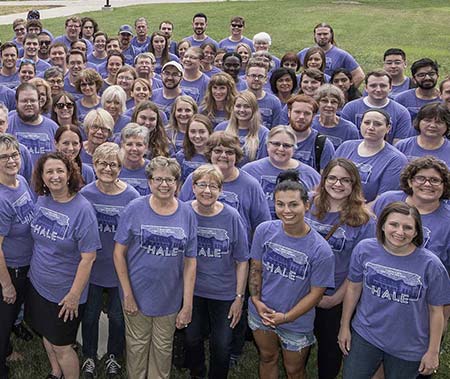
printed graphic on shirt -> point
(336, 241)
(284, 261)
(140, 185)
(24, 208)
(36, 143)
(266, 115)
(189, 167)
(193, 92)
(392, 284)
(336, 141)
(212, 242)
(108, 217)
(426, 236)
(230, 198)
(303, 156)
(50, 224)
(365, 170)
(164, 241)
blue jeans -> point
(209, 315)
(364, 359)
(116, 327)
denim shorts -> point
(291, 341)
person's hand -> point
(235, 311)
(429, 363)
(277, 318)
(129, 305)
(69, 307)
(184, 318)
(344, 340)
(327, 302)
(263, 311)
(9, 294)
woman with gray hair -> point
(155, 259)
(114, 101)
(330, 98)
(108, 195)
(262, 42)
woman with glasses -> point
(113, 101)
(155, 260)
(339, 214)
(327, 122)
(108, 195)
(280, 148)
(183, 108)
(291, 267)
(88, 83)
(64, 111)
(16, 244)
(379, 163)
(98, 126)
(433, 125)
(393, 305)
(54, 76)
(222, 266)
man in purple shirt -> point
(166, 27)
(8, 72)
(141, 40)
(76, 62)
(394, 62)
(199, 25)
(128, 50)
(335, 57)
(378, 87)
(73, 30)
(425, 72)
(30, 52)
(45, 40)
(237, 26)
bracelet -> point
(284, 317)
(240, 295)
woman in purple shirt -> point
(183, 108)
(88, 83)
(398, 290)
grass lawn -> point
(365, 29)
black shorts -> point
(42, 316)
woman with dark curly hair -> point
(283, 83)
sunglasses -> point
(64, 105)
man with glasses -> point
(20, 30)
(45, 40)
(144, 64)
(31, 129)
(394, 63)
(30, 52)
(171, 75)
(269, 105)
(72, 34)
(9, 76)
(425, 73)
(199, 25)
(237, 26)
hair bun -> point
(288, 175)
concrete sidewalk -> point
(67, 8)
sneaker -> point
(112, 367)
(88, 369)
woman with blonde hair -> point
(245, 122)
(45, 95)
(218, 102)
(183, 108)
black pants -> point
(326, 330)
(8, 314)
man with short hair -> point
(30, 52)
(31, 129)
(312, 149)
(112, 43)
(171, 75)
(335, 57)
(76, 62)
(425, 72)
(141, 40)
(394, 63)
(34, 26)
(72, 33)
(199, 25)
(20, 30)
(128, 50)
(144, 64)
(237, 26)
(167, 28)
(378, 86)
(45, 40)
(269, 105)
(9, 76)
(58, 55)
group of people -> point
(210, 187)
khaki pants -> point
(149, 345)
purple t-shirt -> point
(412, 150)
(291, 266)
(397, 89)
(39, 139)
(129, 54)
(26, 166)
(163, 104)
(380, 172)
(435, 225)
(342, 241)
(136, 178)
(94, 60)
(87, 173)
(305, 152)
(70, 88)
(158, 66)
(196, 88)
(214, 70)
(7, 97)
(176, 138)
(189, 166)
(16, 212)
(11, 81)
(157, 246)
(222, 241)
(343, 131)
(263, 132)
(392, 312)
(244, 194)
(140, 47)
(66, 41)
(270, 109)
(40, 66)
(107, 209)
(266, 174)
(61, 231)
(121, 122)
(230, 45)
(82, 111)
(411, 102)
(195, 43)
(400, 119)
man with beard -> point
(30, 52)
(378, 86)
(144, 64)
(199, 25)
(394, 62)
(167, 28)
(237, 26)
(171, 75)
(425, 72)
(128, 50)
(45, 40)
(312, 149)
(9, 76)
(335, 57)
(29, 126)
(141, 40)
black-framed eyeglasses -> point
(159, 180)
(345, 181)
(281, 144)
(420, 179)
(6, 157)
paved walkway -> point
(68, 8)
